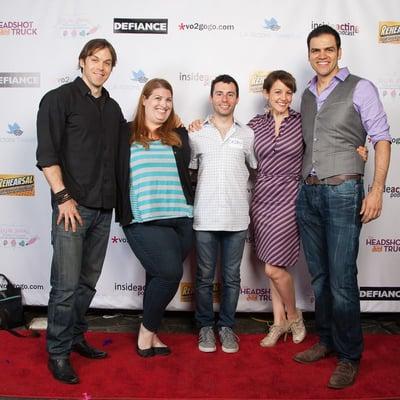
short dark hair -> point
(225, 79)
(98, 44)
(322, 30)
(282, 76)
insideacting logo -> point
(343, 28)
(390, 191)
(19, 79)
(144, 25)
(389, 32)
(198, 77)
(17, 185)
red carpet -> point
(253, 373)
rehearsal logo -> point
(18, 28)
(389, 293)
(271, 24)
(144, 25)
(343, 28)
(19, 79)
(129, 287)
(17, 236)
(17, 185)
(196, 77)
(383, 245)
(389, 32)
(186, 291)
(76, 27)
(118, 240)
(392, 192)
(139, 76)
(256, 294)
(204, 27)
(256, 81)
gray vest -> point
(332, 134)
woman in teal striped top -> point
(161, 205)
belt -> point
(332, 180)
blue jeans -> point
(208, 244)
(76, 266)
(330, 224)
(161, 246)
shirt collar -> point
(207, 121)
(84, 89)
(341, 76)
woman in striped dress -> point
(279, 149)
(159, 231)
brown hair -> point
(97, 44)
(282, 76)
(140, 132)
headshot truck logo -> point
(144, 25)
(19, 79)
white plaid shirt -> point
(222, 196)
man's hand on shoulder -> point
(196, 125)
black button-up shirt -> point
(82, 135)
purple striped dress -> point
(276, 235)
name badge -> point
(236, 143)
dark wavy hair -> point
(322, 30)
(97, 44)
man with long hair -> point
(78, 129)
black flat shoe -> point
(145, 352)
(84, 349)
(162, 351)
(62, 370)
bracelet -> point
(62, 196)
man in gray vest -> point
(338, 111)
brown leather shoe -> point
(344, 375)
(314, 353)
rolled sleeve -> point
(50, 124)
(369, 106)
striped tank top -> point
(155, 188)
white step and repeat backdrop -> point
(188, 43)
